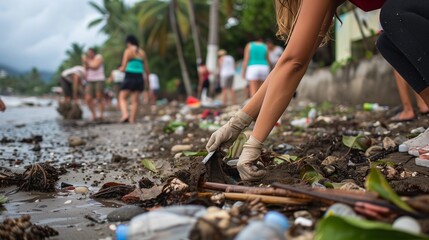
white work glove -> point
(247, 163)
(226, 135)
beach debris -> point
(81, 190)
(125, 213)
(113, 190)
(329, 160)
(39, 177)
(359, 142)
(388, 143)
(23, 228)
(375, 182)
(75, 141)
(337, 227)
(3, 199)
(32, 139)
(116, 158)
(172, 126)
(181, 148)
(148, 164)
(407, 224)
(68, 202)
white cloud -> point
(38, 32)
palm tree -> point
(114, 16)
(158, 18)
(74, 55)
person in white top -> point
(71, 82)
(226, 73)
(117, 78)
(154, 88)
(274, 52)
(95, 82)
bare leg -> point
(100, 100)
(425, 95)
(224, 97)
(423, 108)
(253, 87)
(90, 103)
(123, 95)
(403, 89)
(134, 106)
(76, 84)
(233, 97)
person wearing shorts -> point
(71, 80)
(256, 65)
(95, 82)
(226, 73)
(135, 66)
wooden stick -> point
(252, 190)
(263, 198)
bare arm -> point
(124, 61)
(254, 106)
(245, 60)
(95, 63)
(146, 69)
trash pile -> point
(333, 172)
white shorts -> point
(257, 72)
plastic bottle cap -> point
(277, 220)
(121, 232)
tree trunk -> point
(194, 29)
(179, 48)
(213, 47)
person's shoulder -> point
(99, 56)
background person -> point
(226, 73)
(95, 82)
(256, 64)
(2, 106)
(274, 51)
(71, 82)
(203, 79)
(407, 112)
(117, 78)
(154, 88)
(136, 68)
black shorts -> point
(133, 82)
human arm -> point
(125, 58)
(245, 61)
(95, 63)
(146, 70)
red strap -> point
(368, 5)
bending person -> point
(305, 24)
(71, 81)
(136, 68)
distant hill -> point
(45, 75)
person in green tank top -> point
(136, 68)
(256, 64)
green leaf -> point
(148, 164)
(375, 182)
(310, 175)
(359, 142)
(340, 228)
(237, 147)
(3, 199)
(172, 126)
(194, 154)
(285, 158)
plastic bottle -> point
(305, 122)
(167, 224)
(373, 107)
(273, 227)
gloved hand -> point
(226, 135)
(247, 163)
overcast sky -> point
(36, 33)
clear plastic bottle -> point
(166, 224)
(273, 227)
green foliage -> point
(375, 182)
(148, 164)
(339, 228)
(172, 126)
(357, 142)
(237, 147)
(194, 154)
(310, 175)
(27, 84)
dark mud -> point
(113, 152)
